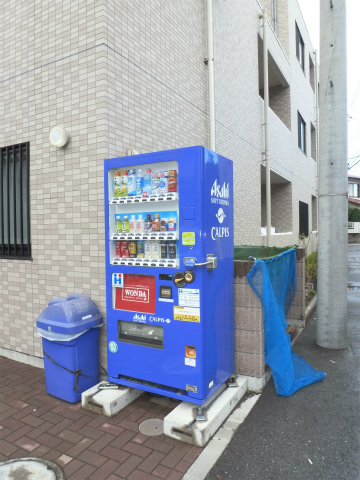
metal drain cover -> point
(151, 427)
(30, 468)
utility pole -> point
(331, 322)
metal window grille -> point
(15, 201)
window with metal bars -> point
(15, 201)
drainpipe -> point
(274, 15)
(209, 60)
(317, 133)
(266, 128)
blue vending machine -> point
(170, 272)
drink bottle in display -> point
(131, 182)
(140, 224)
(147, 182)
(172, 250)
(163, 224)
(139, 182)
(148, 223)
(164, 182)
(132, 224)
(155, 183)
(125, 225)
(155, 250)
(156, 223)
(117, 183)
(147, 249)
(124, 184)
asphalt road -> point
(314, 434)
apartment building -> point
(123, 75)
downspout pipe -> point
(211, 77)
(264, 17)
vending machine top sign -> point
(170, 271)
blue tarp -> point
(274, 281)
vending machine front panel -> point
(169, 272)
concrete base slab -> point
(175, 423)
(108, 402)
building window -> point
(354, 190)
(301, 134)
(14, 202)
(300, 48)
(303, 219)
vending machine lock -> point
(211, 262)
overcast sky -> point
(310, 10)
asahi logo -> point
(220, 193)
(139, 318)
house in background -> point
(130, 75)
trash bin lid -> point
(74, 314)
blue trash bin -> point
(69, 328)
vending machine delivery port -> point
(170, 272)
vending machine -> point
(170, 272)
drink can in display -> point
(118, 249)
(155, 183)
(140, 248)
(163, 224)
(124, 249)
(172, 250)
(155, 250)
(164, 182)
(132, 249)
(147, 249)
(172, 181)
(163, 249)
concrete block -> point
(108, 402)
(175, 422)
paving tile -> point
(70, 436)
(75, 426)
(72, 467)
(112, 452)
(83, 473)
(182, 466)
(52, 417)
(90, 432)
(192, 454)
(151, 461)
(128, 466)
(32, 420)
(161, 471)
(158, 445)
(113, 429)
(139, 450)
(27, 444)
(48, 440)
(92, 458)
(7, 448)
(12, 423)
(174, 475)
(19, 433)
(40, 451)
(64, 446)
(98, 445)
(63, 460)
(140, 438)
(62, 425)
(139, 475)
(176, 454)
(41, 429)
(75, 450)
(104, 471)
(4, 432)
(123, 439)
(126, 424)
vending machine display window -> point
(144, 215)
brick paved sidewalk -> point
(86, 445)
